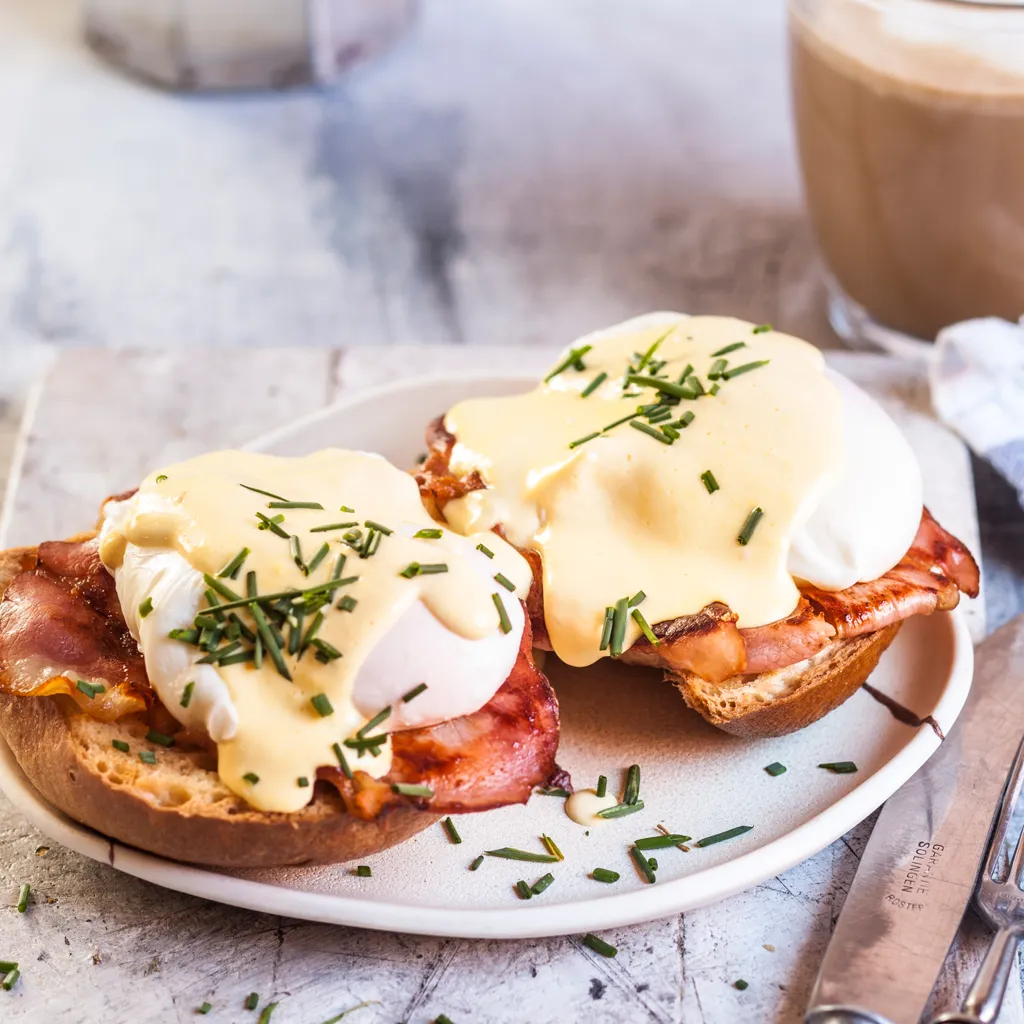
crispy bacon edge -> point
(59, 614)
(933, 573)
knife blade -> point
(919, 867)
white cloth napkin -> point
(977, 385)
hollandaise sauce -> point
(658, 467)
(291, 572)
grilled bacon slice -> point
(930, 577)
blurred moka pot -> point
(242, 44)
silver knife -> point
(919, 867)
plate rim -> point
(701, 888)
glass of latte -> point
(910, 123)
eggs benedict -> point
(262, 660)
(702, 494)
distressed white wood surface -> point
(113, 949)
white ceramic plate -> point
(696, 780)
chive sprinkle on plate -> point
(755, 516)
(644, 866)
(775, 768)
(206, 1007)
(542, 883)
(477, 861)
(147, 757)
(412, 789)
(23, 896)
(721, 837)
(604, 875)
(266, 1014)
(660, 842)
(710, 483)
(839, 767)
(552, 847)
(453, 832)
(252, 1000)
(598, 945)
(363, 871)
(740, 984)
(510, 853)
(120, 745)
(251, 777)
(621, 810)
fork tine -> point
(1009, 803)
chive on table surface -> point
(97, 945)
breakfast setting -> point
(512, 512)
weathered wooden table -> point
(514, 173)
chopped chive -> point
(269, 640)
(606, 630)
(90, 689)
(147, 756)
(762, 329)
(743, 537)
(660, 842)
(257, 652)
(413, 693)
(740, 984)
(599, 945)
(594, 385)
(381, 716)
(251, 777)
(346, 604)
(333, 526)
(602, 785)
(650, 431)
(511, 853)
(252, 1000)
(23, 895)
(271, 524)
(553, 791)
(320, 555)
(775, 768)
(363, 871)
(220, 587)
(730, 348)
(296, 504)
(721, 837)
(146, 607)
(669, 431)
(258, 490)
(314, 628)
(632, 791)
(505, 581)
(325, 652)
(485, 550)
(322, 705)
(574, 358)
(713, 390)
(639, 619)
(542, 883)
(584, 440)
(523, 891)
(206, 1007)
(638, 598)
(342, 760)
(710, 483)
(371, 525)
(231, 570)
(161, 478)
(6, 966)
(412, 569)
(10, 979)
(604, 875)
(643, 864)
(745, 368)
(839, 767)
(441, 1018)
(655, 345)
(430, 534)
(666, 387)
(226, 655)
(453, 832)
(412, 789)
(432, 569)
(685, 420)
(295, 545)
(621, 810)
(121, 745)
(302, 782)
(618, 627)
(503, 619)
(693, 384)
(250, 584)
(663, 412)
(160, 737)
(187, 636)
(345, 508)
(618, 422)
(267, 1011)
(477, 861)
(717, 368)
(552, 847)
(653, 862)
(687, 370)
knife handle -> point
(846, 1015)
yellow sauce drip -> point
(200, 510)
(623, 512)
(584, 804)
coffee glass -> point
(910, 125)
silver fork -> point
(1001, 902)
